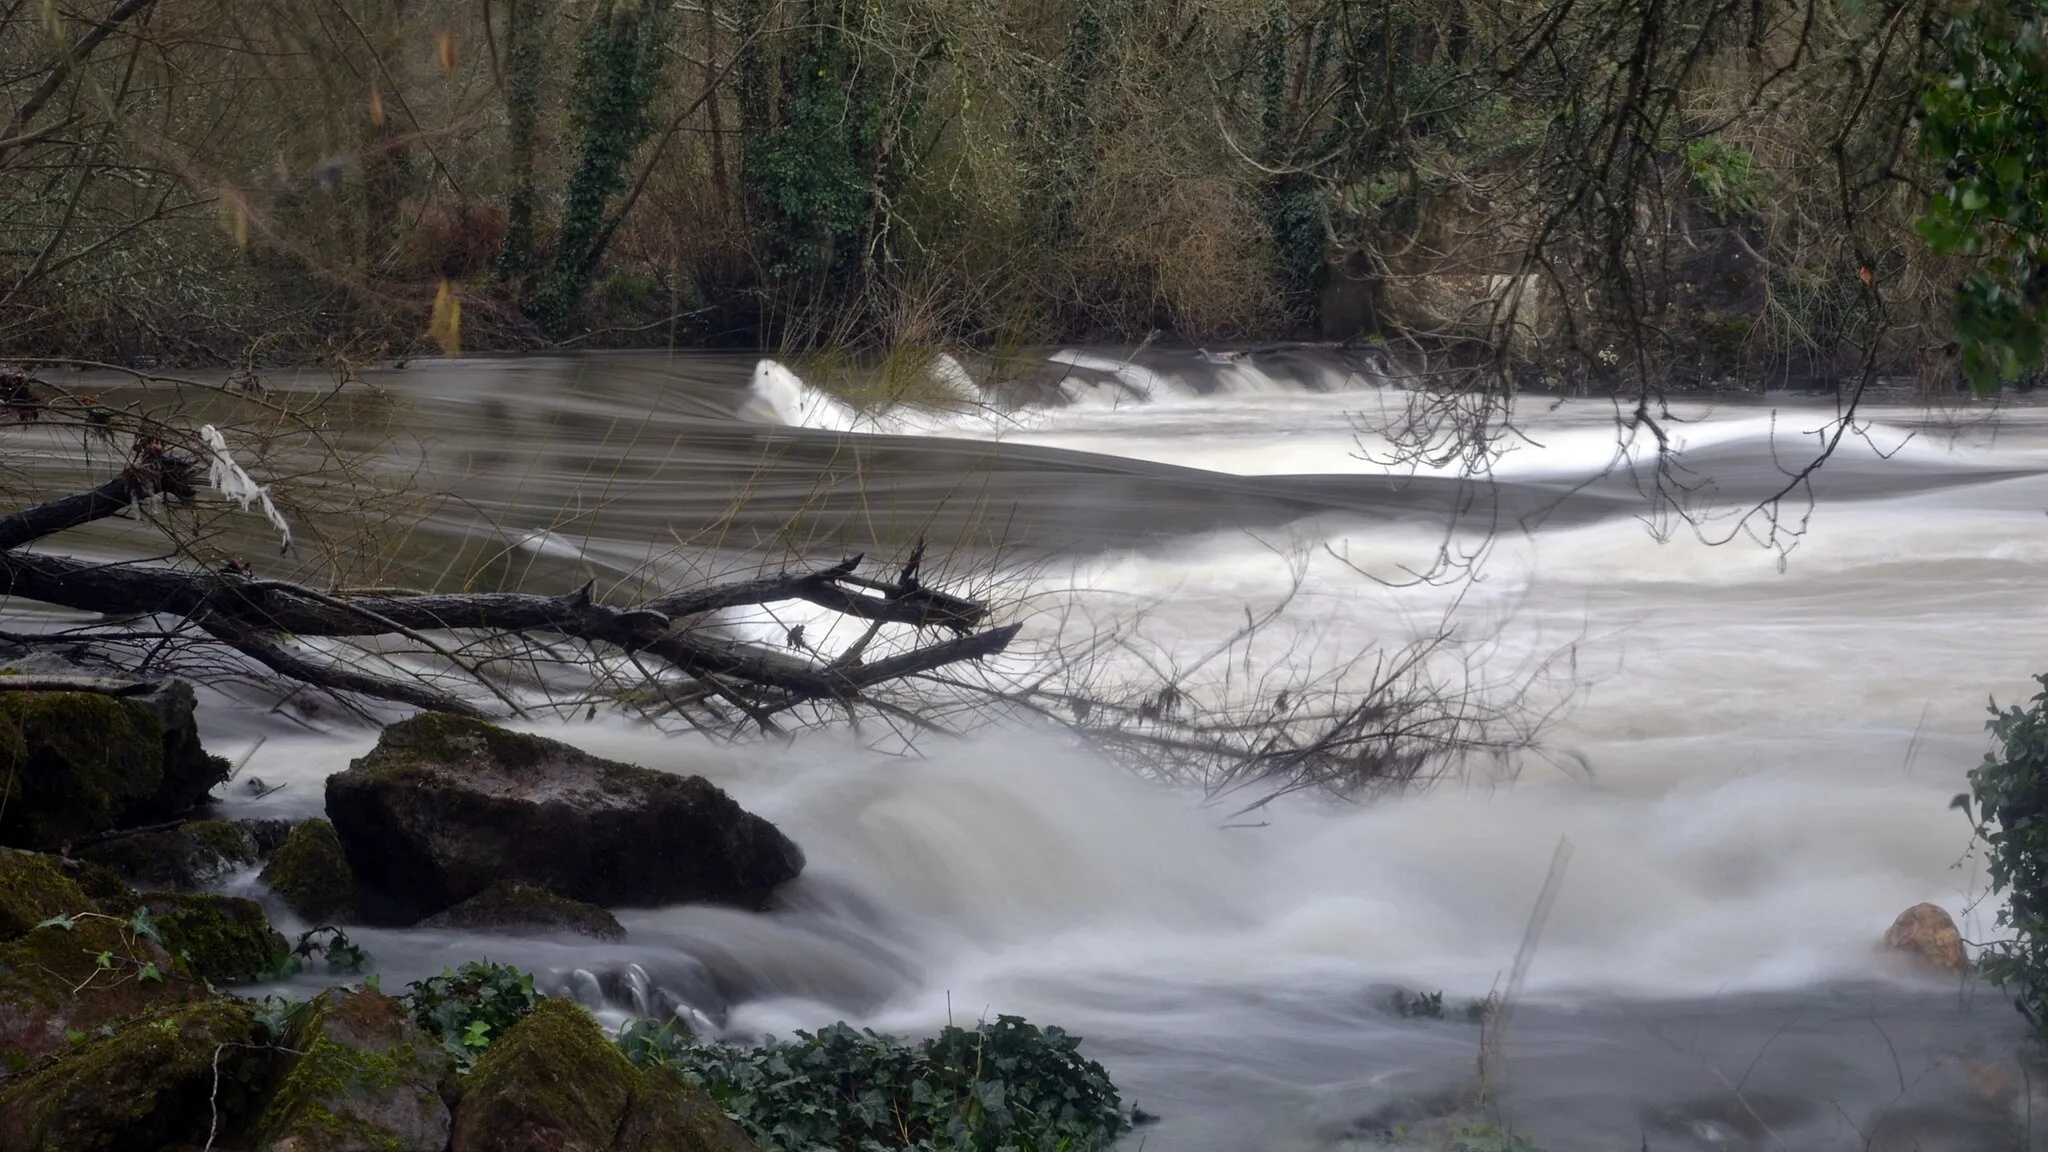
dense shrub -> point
(2008, 799)
(1002, 1085)
(468, 1007)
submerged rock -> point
(511, 907)
(443, 807)
(165, 1078)
(310, 873)
(364, 1077)
(85, 762)
(554, 1083)
(220, 939)
(1927, 936)
(190, 856)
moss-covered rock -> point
(444, 806)
(554, 1083)
(513, 908)
(364, 1078)
(220, 939)
(59, 983)
(189, 857)
(74, 763)
(111, 893)
(33, 888)
(670, 1114)
(551, 1083)
(164, 1078)
(311, 874)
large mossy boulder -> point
(189, 857)
(443, 807)
(511, 908)
(75, 763)
(58, 983)
(219, 939)
(166, 1078)
(554, 1083)
(311, 874)
(361, 1076)
(33, 888)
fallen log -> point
(248, 614)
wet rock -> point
(33, 888)
(1927, 936)
(102, 887)
(167, 1077)
(310, 872)
(554, 1083)
(85, 762)
(54, 987)
(365, 1078)
(444, 807)
(219, 939)
(669, 1114)
(513, 908)
(189, 857)
(551, 1083)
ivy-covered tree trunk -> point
(525, 51)
(619, 70)
(829, 148)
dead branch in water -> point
(271, 621)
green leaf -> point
(143, 926)
(67, 923)
(149, 972)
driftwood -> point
(103, 685)
(247, 614)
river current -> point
(1753, 773)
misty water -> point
(1753, 771)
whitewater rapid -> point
(1753, 773)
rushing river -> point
(1754, 775)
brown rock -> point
(554, 1083)
(444, 807)
(362, 1077)
(168, 1077)
(513, 908)
(54, 990)
(1926, 934)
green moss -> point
(553, 1075)
(221, 939)
(33, 888)
(511, 905)
(55, 981)
(108, 892)
(438, 738)
(670, 1113)
(157, 1080)
(191, 855)
(72, 763)
(364, 1078)
(311, 873)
